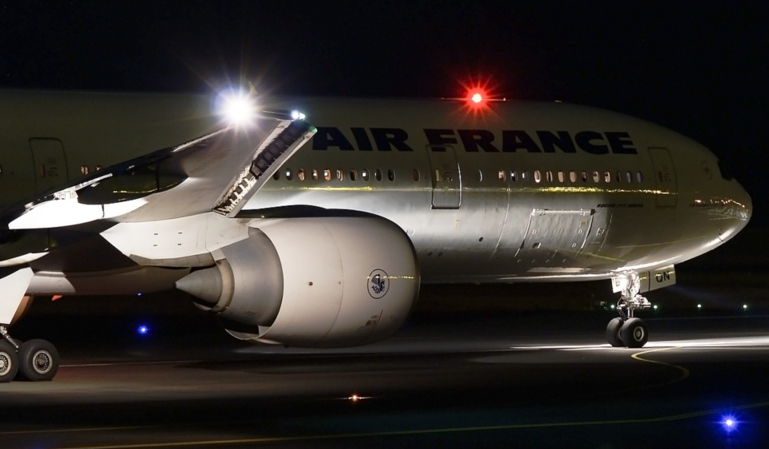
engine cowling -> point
(312, 282)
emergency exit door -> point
(50, 163)
(446, 177)
(665, 177)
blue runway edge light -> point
(143, 330)
(729, 423)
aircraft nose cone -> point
(740, 207)
(744, 198)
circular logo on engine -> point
(378, 283)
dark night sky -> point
(697, 67)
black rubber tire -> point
(612, 333)
(38, 360)
(634, 333)
(9, 362)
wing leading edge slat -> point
(288, 137)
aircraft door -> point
(665, 177)
(50, 163)
(446, 177)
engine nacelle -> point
(312, 282)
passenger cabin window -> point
(353, 175)
(628, 177)
(640, 176)
(84, 170)
(549, 176)
(607, 177)
(276, 176)
(537, 176)
(364, 174)
(501, 175)
(339, 174)
(315, 174)
(573, 176)
(512, 175)
(391, 175)
(300, 174)
(327, 174)
(415, 175)
(596, 177)
(378, 174)
(561, 177)
(584, 176)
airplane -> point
(312, 222)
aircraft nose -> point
(740, 207)
(743, 198)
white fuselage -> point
(489, 196)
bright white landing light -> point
(239, 109)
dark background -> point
(697, 67)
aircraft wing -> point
(217, 172)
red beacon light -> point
(477, 98)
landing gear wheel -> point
(612, 332)
(634, 333)
(38, 360)
(9, 362)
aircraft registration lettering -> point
(476, 140)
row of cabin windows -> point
(327, 174)
(84, 169)
(573, 176)
(503, 175)
(514, 176)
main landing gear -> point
(32, 360)
(626, 330)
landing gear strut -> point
(32, 360)
(626, 330)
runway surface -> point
(463, 380)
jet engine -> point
(312, 281)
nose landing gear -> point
(626, 330)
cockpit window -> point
(724, 172)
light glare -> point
(729, 423)
(476, 98)
(238, 109)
